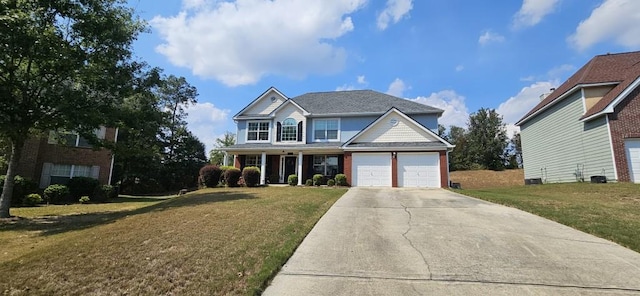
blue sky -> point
(457, 55)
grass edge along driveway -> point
(210, 242)
(610, 211)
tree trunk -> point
(7, 190)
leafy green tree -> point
(513, 152)
(459, 158)
(216, 156)
(175, 94)
(63, 64)
(487, 139)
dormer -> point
(263, 105)
(592, 94)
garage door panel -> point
(419, 170)
(632, 147)
(371, 169)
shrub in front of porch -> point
(210, 175)
(223, 169)
(292, 180)
(232, 177)
(251, 176)
(341, 180)
(318, 179)
(331, 183)
(309, 182)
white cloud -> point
(532, 12)
(489, 37)
(345, 87)
(613, 20)
(239, 42)
(362, 80)
(517, 106)
(459, 68)
(207, 122)
(397, 88)
(455, 110)
(394, 11)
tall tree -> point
(63, 64)
(216, 156)
(175, 94)
(513, 153)
(459, 158)
(487, 139)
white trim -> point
(560, 98)
(263, 168)
(283, 178)
(115, 140)
(616, 101)
(386, 149)
(394, 110)
(584, 103)
(246, 140)
(329, 115)
(282, 130)
(263, 95)
(613, 154)
(313, 130)
(300, 161)
(304, 112)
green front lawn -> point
(610, 211)
(209, 242)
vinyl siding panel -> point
(404, 131)
(288, 111)
(264, 105)
(350, 126)
(555, 144)
(430, 121)
(241, 136)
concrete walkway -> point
(435, 242)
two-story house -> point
(56, 158)
(373, 138)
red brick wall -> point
(347, 166)
(394, 169)
(624, 123)
(444, 170)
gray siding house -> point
(589, 126)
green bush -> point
(341, 180)
(21, 187)
(56, 193)
(210, 175)
(331, 182)
(232, 177)
(84, 199)
(318, 179)
(251, 176)
(81, 186)
(309, 182)
(292, 180)
(32, 199)
(109, 191)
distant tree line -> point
(483, 144)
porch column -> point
(263, 168)
(225, 160)
(300, 168)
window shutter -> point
(45, 176)
(95, 172)
(300, 131)
(279, 132)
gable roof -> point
(358, 102)
(261, 96)
(353, 143)
(621, 69)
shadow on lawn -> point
(49, 225)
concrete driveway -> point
(435, 242)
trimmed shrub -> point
(318, 179)
(309, 182)
(292, 180)
(251, 176)
(84, 199)
(21, 187)
(232, 177)
(223, 169)
(331, 182)
(210, 175)
(56, 193)
(341, 180)
(81, 186)
(32, 199)
(109, 191)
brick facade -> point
(38, 151)
(444, 170)
(347, 166)
(624, 123)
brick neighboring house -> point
(46, 161)
(373, 138)
(588, 126)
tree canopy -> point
(216, 156)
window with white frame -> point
(61, 173)
(73, 139)
(289, 130)
(253, 160)
(258, 131)
(326, 165)
(325, 129)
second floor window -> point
(258, 131)
(73, 139)
(289, 130)
(325, 129)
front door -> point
(289, 166)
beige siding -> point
(264, 105)
(289, 111)
(403, 131)
(556, 144)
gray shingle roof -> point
(269, 145)
(358, 101)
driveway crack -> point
(409, 227)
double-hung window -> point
(253, 161)
(325, 129)
(72, 138)
(258, 131)
(289, 130)
(61, 173)
(326, 165)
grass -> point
(208, 242)
(487, 179)
(610, 211)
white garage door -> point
(419, 170)
(633, 158)
(371, 169)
